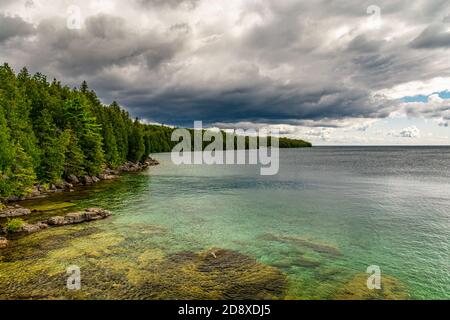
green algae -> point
(211, 274)
(356, 289)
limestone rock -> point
(14, 211)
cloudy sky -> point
(329, 71)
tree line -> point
(49, 131)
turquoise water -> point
(328, 215)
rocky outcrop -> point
(91, 214)
(3, 242)
(14, 211)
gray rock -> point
(56, 221)
(87, 180)
(79, 217)
(14, 211)
(31, 228)
(73, 179)
(95, 179)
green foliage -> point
(13, 225)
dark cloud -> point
(13, 26)
(293, 62)
(434, 36)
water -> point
(207, 232)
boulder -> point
(151, 162)
(95, 179)
(31, 228)
(13, 198)
(14, 211)
(56, 221)
(3, 242)
(73, 179)
(67, 186)
(35, 192)
(87, 180)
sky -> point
(333, 72)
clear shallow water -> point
(309, 232)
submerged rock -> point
(79, 217)
(14, 211)
(211, 274)
(318, 247)
(356, 289)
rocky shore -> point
(12, 210)
(72, 181)
(91, 214)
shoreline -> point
(72, 181)
(13, 210)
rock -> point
(31, 228)
(74, 217)
(56, 221)
(98, 212)
(356, 289)
(53, 187)
(73, 179)
(59, 185)
(87, 180)
(14, 211)
(110, 177)
(95, 179)
(79, 217)
(151, 162)
(67, 186)
(3, 243)
(13, 198)
(35, 192)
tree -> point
(136, 147)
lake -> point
(220, 232)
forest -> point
(49, 131)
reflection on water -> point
(211, 232)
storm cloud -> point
(273, 62)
